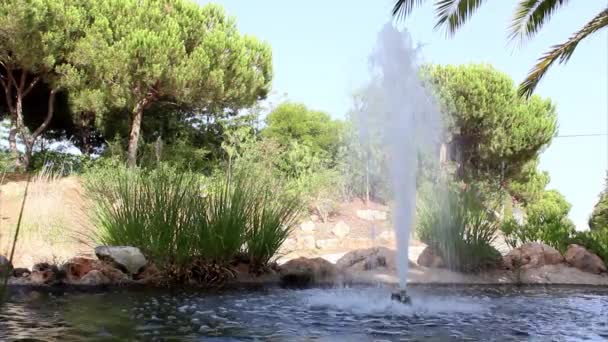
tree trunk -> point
(85, 123)
(29, 140)
(138, 113)
(12, 143)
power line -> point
(581, 135)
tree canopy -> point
(142, 52)
(492, 133)
(36, 38)
(599, 217)
(294, 122)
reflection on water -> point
(346, 314)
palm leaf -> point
(561, 52)
(454, 13)
(403, 8)
(531, 15)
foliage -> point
(546, 222)
(460, 228)
(529, 185)
(151, 210)
(58, 163)
(36, 37)
(273, 216)
(184, 223)
(291, 123)
(157, 50)
(493, 133)
(530, 16)
(599, 217)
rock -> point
(561, 274)
(372, 215)
(430, 258)
(386, 236)
(152, 275)
(341, 230)
(21, 272)
(584, 260)
(289, 245)
(368, 259)
(94, 278)
(356, 243)
(44, 274)
(532, 255)
(78, 267)
(327, 243)
(306, 242)
(307, 227)
(304, 271)
(4, 264)
(130, 259)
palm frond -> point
(403, 8)
(454, 13)
(561, 52)
(531, 15)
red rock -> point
(584, 260)
(430, 258)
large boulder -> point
(129, 259)
(368, 259)
(5, 265)
(584, 260)
(304, 271)
(532, 255)
(430, 257)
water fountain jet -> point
(408, 120)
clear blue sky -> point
(320, 51)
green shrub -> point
(550, 228)
(272, 219)
(58, 163)
(187, 225)
(155, 211)
(460, 228)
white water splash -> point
(403, 112)
(371, 302)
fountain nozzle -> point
(401, 297)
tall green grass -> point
(179, 220)
(460, 228)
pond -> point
(329, 314)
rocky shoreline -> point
(119, 266)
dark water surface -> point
(345, 314)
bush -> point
(155, 211)
(188, 225)
(548, 227)
(58, 163)
(460, 228)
